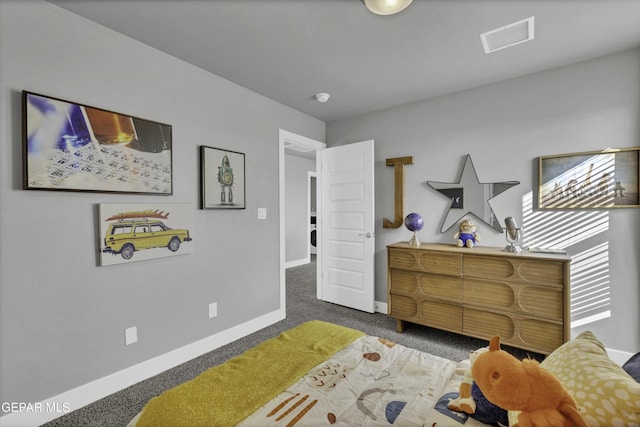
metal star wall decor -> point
(470, 196)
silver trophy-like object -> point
(512, 234)
(414, 240)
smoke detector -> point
(507, 36)
(322, 97)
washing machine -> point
(313, 237)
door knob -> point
(367, 235)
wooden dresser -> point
(482, 292)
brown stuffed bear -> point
(527, 387)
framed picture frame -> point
(131, 232)
(222, 179)
(74, 147)
(590, 180)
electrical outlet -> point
(213, 309)
(130, 335)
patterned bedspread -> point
(372, 382)
(317, 374)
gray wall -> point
(62, 317)
(296, 208)
(587, 106)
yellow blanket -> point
(224, 395)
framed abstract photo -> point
(222, 179)
(594, 179)
(74, 147)
(130, 232)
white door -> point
(346, 226)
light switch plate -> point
(213, 309)
(262, 213)
(130, 335)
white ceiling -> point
(289, 50)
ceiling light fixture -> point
(322, 97)
(386, 7)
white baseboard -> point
(381, 307)
(620, 357)
(37, 413)
(297, 262)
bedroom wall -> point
(62, 317)
(297, 209)
(505, 127)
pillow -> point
(632, 367)
(606, 395)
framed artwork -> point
(222, 179)
(130, 232)
(74, 147)
(594, 179)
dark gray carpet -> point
(119, 408)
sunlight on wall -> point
(565, 229)
(590, 286)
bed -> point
(321, 374)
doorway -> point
(345, 207)
(290, 141)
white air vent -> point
(509, 35)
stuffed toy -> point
(467, 235)
(527, 387)
(464, 402)
(471, 400)
(486, 412)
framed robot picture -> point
(222, 179)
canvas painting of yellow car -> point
(136, 232)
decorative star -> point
(470, 196)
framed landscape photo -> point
(74, 147)
(222, 179)
(593, 179)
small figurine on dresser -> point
(467, 235)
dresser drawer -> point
(538, 301)
(425, 284)
(438, 314)
(403, 307)
(427, 261)
(538, 335)
(523, 270)
(442, 315)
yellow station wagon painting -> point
(134, 232)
